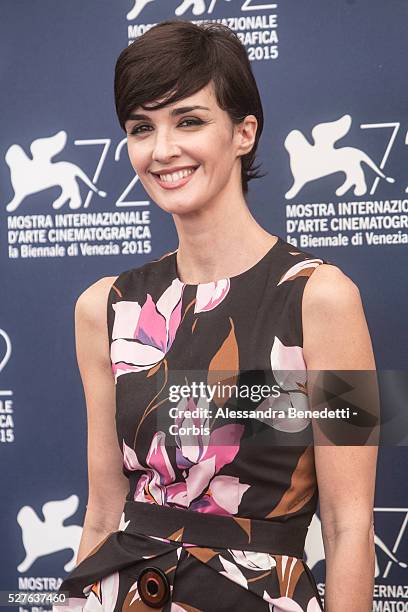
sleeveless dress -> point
(220, 497)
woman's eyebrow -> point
(177, 111)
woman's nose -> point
(164, 146)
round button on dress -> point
(153, 587)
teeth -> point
(176, 176)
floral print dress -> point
(219, 502)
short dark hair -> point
(177, 58)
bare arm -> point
(107, 484)
(336, 337)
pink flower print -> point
(286, 604)
(191, 447)
(302, 268)
(210, 295)
(253, 560)
(289, 370)
(203, 455)
(223, 493)
(123, 524)
(142, 335)
(289, 358)
(203, 489)
(232, 572)
(223, 496)
(102, 595)
(221, 443)
(130, 460)
(151, 486)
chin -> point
(180, 207)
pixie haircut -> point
(174, 59)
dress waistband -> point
(214, 530)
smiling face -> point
(200, 140)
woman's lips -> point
(174, 184)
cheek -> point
(135, 155)
(221, 153)
(130, 153)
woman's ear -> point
(247, 134)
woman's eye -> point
(193, 121)
(138, 129)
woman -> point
(196, 510)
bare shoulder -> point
(91, 329)
(335, 329)
(329, 287)
(90, 305)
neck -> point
(219, 242)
